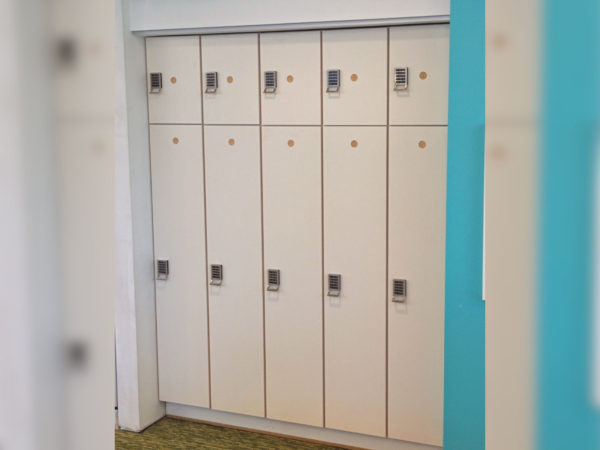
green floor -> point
(170, 433)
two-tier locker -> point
(298, 187)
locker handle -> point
(270, 82)
(155, 82)
(273, 279)
(399, 291)
(216, 274)
(401, 78)
(334, 284)
(162, 269)
(333, 80)
(211, 81)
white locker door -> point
(417, 229)
(423, 49)
(361, 58)
(234, 57)
(177, 59)
(355, 246)
(233, 213)
(293, 313)
(178, 216)
(296, 57)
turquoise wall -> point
(570, 130)
(464, 376)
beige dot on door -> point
(173, 80)
(291, 143)
(354, 77)
(290, 78)
(354, 143)
(498, 153)
(422, 144)
(230, 79)
(175, 140)
(423, 75)
(231, 141)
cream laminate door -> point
(292, 234)
(355, 246)
(296, 59)
(423, 50)
(361, 57)
(178, 216)
(417, 229)
(234, 58)
(233, 216)
(177, 60)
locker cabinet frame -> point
(322, 125)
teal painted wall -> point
(464, 377)
(570, 131)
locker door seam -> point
(322, 231)
(205, 229)
(387, 233)
(262, 230)
(152, 218)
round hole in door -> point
(354, 77)
(231, 141)
(422, 144)
(423, 75)
(291, 143)
(173, 80)
(175, 140)
(230, 79)
(354, 143)
(290, 78)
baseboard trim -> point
(268, 433)
(305, 433)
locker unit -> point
(416, 243)
(292, 60)
(179, 250)
(173, 79)
(293, 250)
(234, 253)
(230, 75)
(299, 255)
(354, 169)
(355, 61)
(420, 54)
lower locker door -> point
(178, 216)
(355, 247)
(233, 213)
(417, 212)
(293, 312)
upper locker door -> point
(422, 52)
(354, 77)
(233, 215)
(417, 212)
(355, 246)
(230, 66)
(178, 216)
(293, 307)
(173, 79)
(291, 83)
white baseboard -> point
(292, 429)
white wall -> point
(135, 323)
(218, 15)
